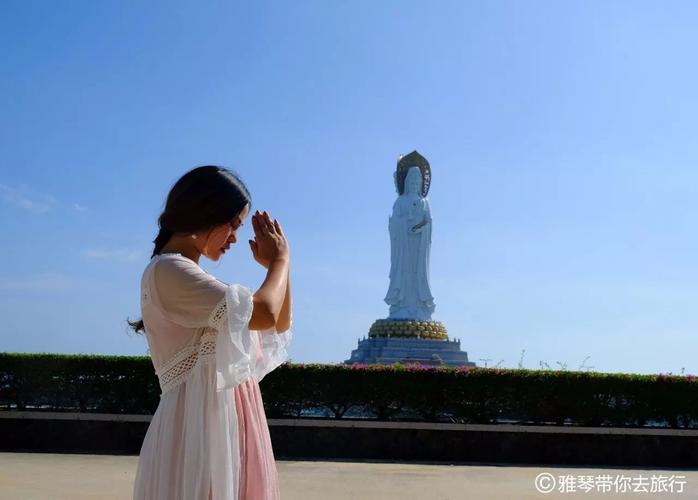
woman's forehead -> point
(243, 213)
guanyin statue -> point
(409, 335)
(409, 294)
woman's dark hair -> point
(201, 199)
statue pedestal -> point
(408, 328)
(408, 341)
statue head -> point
(413, 181)
(404, 164)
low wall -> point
(359, 439)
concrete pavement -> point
(42, 476)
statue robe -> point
(409, 294)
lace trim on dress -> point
(218, 314)
(175, 371)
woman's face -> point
(224, 235)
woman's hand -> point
(270, 241)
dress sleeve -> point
(242, 353)
(193, 298)
(188, 294)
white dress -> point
(208, 438)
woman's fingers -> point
(268, 222)
(261, 226)
(255, 227)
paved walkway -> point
(42, 476)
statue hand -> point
(417, 229)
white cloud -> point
(114, 254)
(79, 208)
(24, 198)
(45, 282)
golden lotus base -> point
(413, 329)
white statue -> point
(409, 295)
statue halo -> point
(414, 159)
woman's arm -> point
(284, 322)
(270, 249)
(270, 298)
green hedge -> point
(128, 384)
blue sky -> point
(561, 137)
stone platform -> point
(389, 350)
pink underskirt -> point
(258, 475)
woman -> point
(211, 343)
